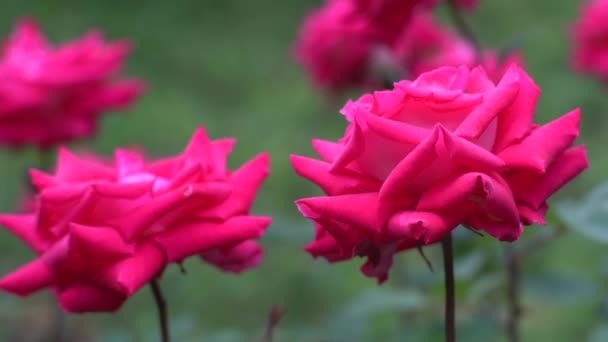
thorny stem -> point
(448, 269)
(162, 309)
(463, 27)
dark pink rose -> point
(335, 41)
(451, 147)
(334, 44)
(389, 16)
(51, 95)
(103, 229)
(424, 45)
(590, 39)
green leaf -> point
(599, 334)
(466, 267)
(350, 322)
(589, 217)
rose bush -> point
(448, 148)
(103, 229)
(51, 95)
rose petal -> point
(515, 121)
(327, 150)
(425, 227)
(494, 102)
(27, 279)
(24, 227)
(235, 259)
(336, 183)
(245, 183)
(538, 150)
(89, 298)
(360, 210)
(534, 189)
(195, 238)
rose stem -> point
(513, 258)
(512, 324)
(463, 27)
(448, 270)
(162, 309)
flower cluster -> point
(337, 42)
(103, 229)
(51, 95)
(449, 148)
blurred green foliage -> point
(227, 65)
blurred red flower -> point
(590, 39)
(51, 95)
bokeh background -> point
(228, 65)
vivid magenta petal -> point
(539, 149)
(79, 298)
(196, 238)
(31, 277)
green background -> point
(228, 65)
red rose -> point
(51, 95)
(102, 230)
(446, 149)
(590, 38)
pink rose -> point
(390, 16)
(50, 95)
(334, 44)
(450, 148)
(590, 39)
(102, 230)
(336, 40)
(424, 45)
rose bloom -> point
(449, 148)
(51, 95)
(103, 229)
(590, 39)
(334, 45)
(335, 41)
